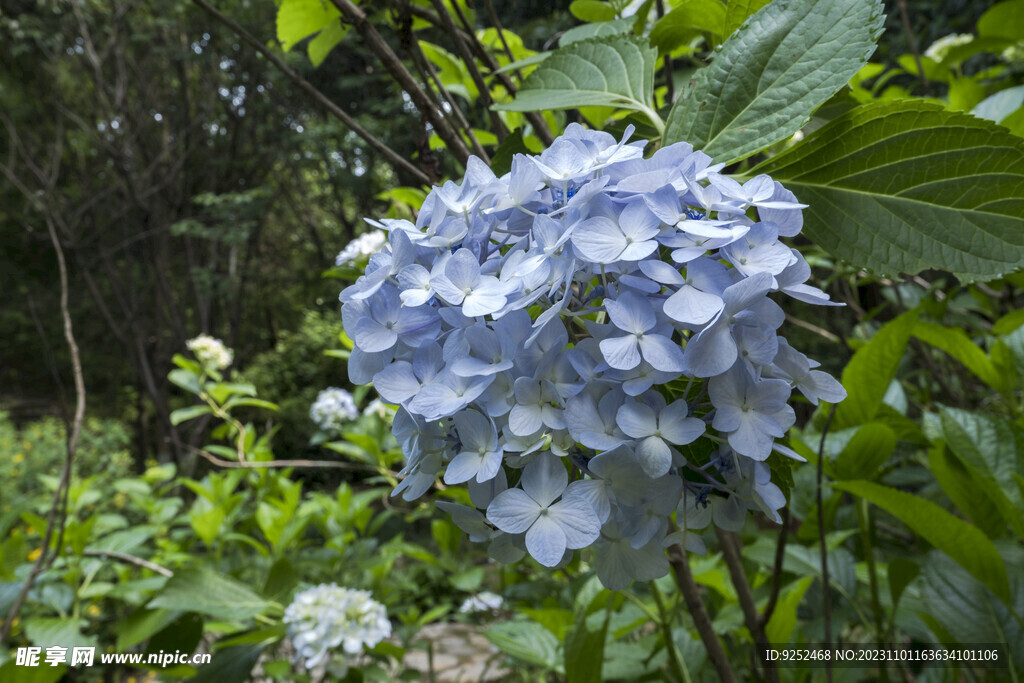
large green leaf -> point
(737, 11)
(676, 27)
(967, 611)
(868, 374)
(955, 342)
(298, 19)
(612, 71)
(868, 450)
(907, 185)
(525, 640)
(769, 76)
(992, 449)
(1004, 20)
(207, 592)
(966, 544)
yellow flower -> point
(34, 555)
(18, 457)
(94, 611)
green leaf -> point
(955, 342)
(907, 185)
(208, 592)
(769, 76)
(677, 27)
(965, 543)
(868, 450)
(189, 381)
(592, 10)
(584, 651)
(868, 374)
(901, 572)
(501, 160)
(967, 611)
(737, 11)
(142, 624)
(966, 492)
(525, 640)
(779, 628)
(47, 632)
(230, 665)
(1000, 105)
(252, 402)
(190, 413)
(1005, 20)
(1009, 322)
(298, 19)
(601, 29)
(325, 41)
(992, 449)
(616, 71)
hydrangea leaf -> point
(737, 12)
(298, 19)
(609, 71)
(769, 76)
(906, 186)
(686, 19)
(208, 592)
(966, 544)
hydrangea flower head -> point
(210, 351)
(332, 408)
(577, 328)
(365, 245)
(323, 617)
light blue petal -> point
(599, 240)
(621, 353)
(545, 479)
(396, 383)
(655, 457)
(371, 336)
(546, 541)
(577, 519)
(711, 352)
(637, 420)
(513, 511)
(691, 306)
(631, 313)
(463, 467)
(662, 353)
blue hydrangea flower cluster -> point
(556, 336)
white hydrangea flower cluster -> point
(323, 617)
(365, 245)
(332, 409)
(938, 50)
(485, 601)
(211, 351)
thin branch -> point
(390, 154)
(357, 18)
(780, 557)
(59, 501)
(280, 464)
(130, 559)
(912, 43)
(811, 327)
(484, 92)
(688, 587)
(670, 94)
(825, 585)
(729, 544)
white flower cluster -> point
(481, 602)
(332, 409)
(210, 351)
(323, 617)
(938, 50)
(364, 245)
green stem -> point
(674, 656)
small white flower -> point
(332, 409)
(210, 351)
(323, 617)
(364, 245)
(481, 602)
(380, 409)
(938, 50)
